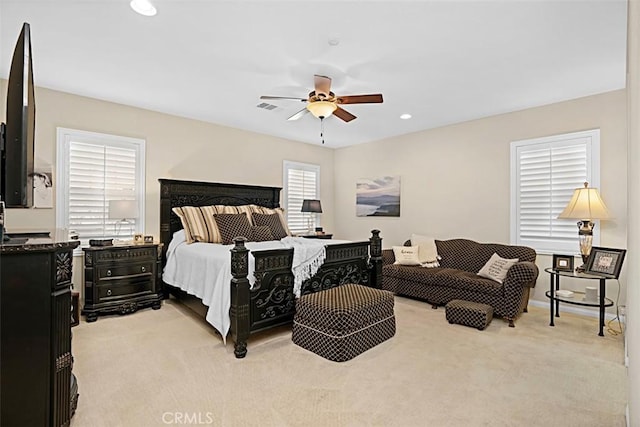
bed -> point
(270, 301)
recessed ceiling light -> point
(405, 116)
(143, 7)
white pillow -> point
(428, 251)
(496, 268)
(406, 255)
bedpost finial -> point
(239, 241)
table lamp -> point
(312, 207)
(585, 205)
(123, 211)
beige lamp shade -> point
(123, 209)
(322, 109)
(585, 204)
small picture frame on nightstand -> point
(138, 238)
(562, 262)
(148, 239)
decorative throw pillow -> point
(496, 268)
(427, 249)
(279, 211)
(198, 223)
(272, 221)
(406, 255)
(260, 233)
(232, 226)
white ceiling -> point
(441, 61)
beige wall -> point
(175, 148)
(455, 179)
(633, 296)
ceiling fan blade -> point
(299, 114)
(343, 114)
(360, 99)
(284, 97)
(322, 85)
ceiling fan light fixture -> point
(322, 109)
(143, 7)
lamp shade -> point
(123, 209)
(310, 205)
(322, 109)
(585, 203)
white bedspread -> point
(204, 270)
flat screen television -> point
(17, 135)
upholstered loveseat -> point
(457, 278)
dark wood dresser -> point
(121, 279)
(35, 330)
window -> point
(301, 181)
(544, 174)
(94, 169)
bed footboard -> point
(271, 302)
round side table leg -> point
(602, 288)
(551, 299)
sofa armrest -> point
(388, 257)
(523, 273)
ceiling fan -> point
(322, 102)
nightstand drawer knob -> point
(108, 272)
(143, 269)
(108, 291)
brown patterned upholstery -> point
(232, 226)
(343, 322)
(272, 221)
(457, 279)
(260, 233)
(474, 314)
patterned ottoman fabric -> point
(468, 313)
(343, 322)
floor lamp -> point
(585, 205)
(311, 206)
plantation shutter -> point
(547, 171)
(98, 170)
(302, 181)
(97, 174)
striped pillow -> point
(198, 223)
(224, 209)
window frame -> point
(592, 164)
(293, 165)
(63, 142)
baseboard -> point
(626, 415)
(568, 308)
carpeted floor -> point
(166, 367)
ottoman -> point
(343, 322)
(468, 313)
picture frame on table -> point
(606, 262)
(562, 262)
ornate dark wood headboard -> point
(175, 193)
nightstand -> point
(317, 236)
(121, 279)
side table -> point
(578, 298)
